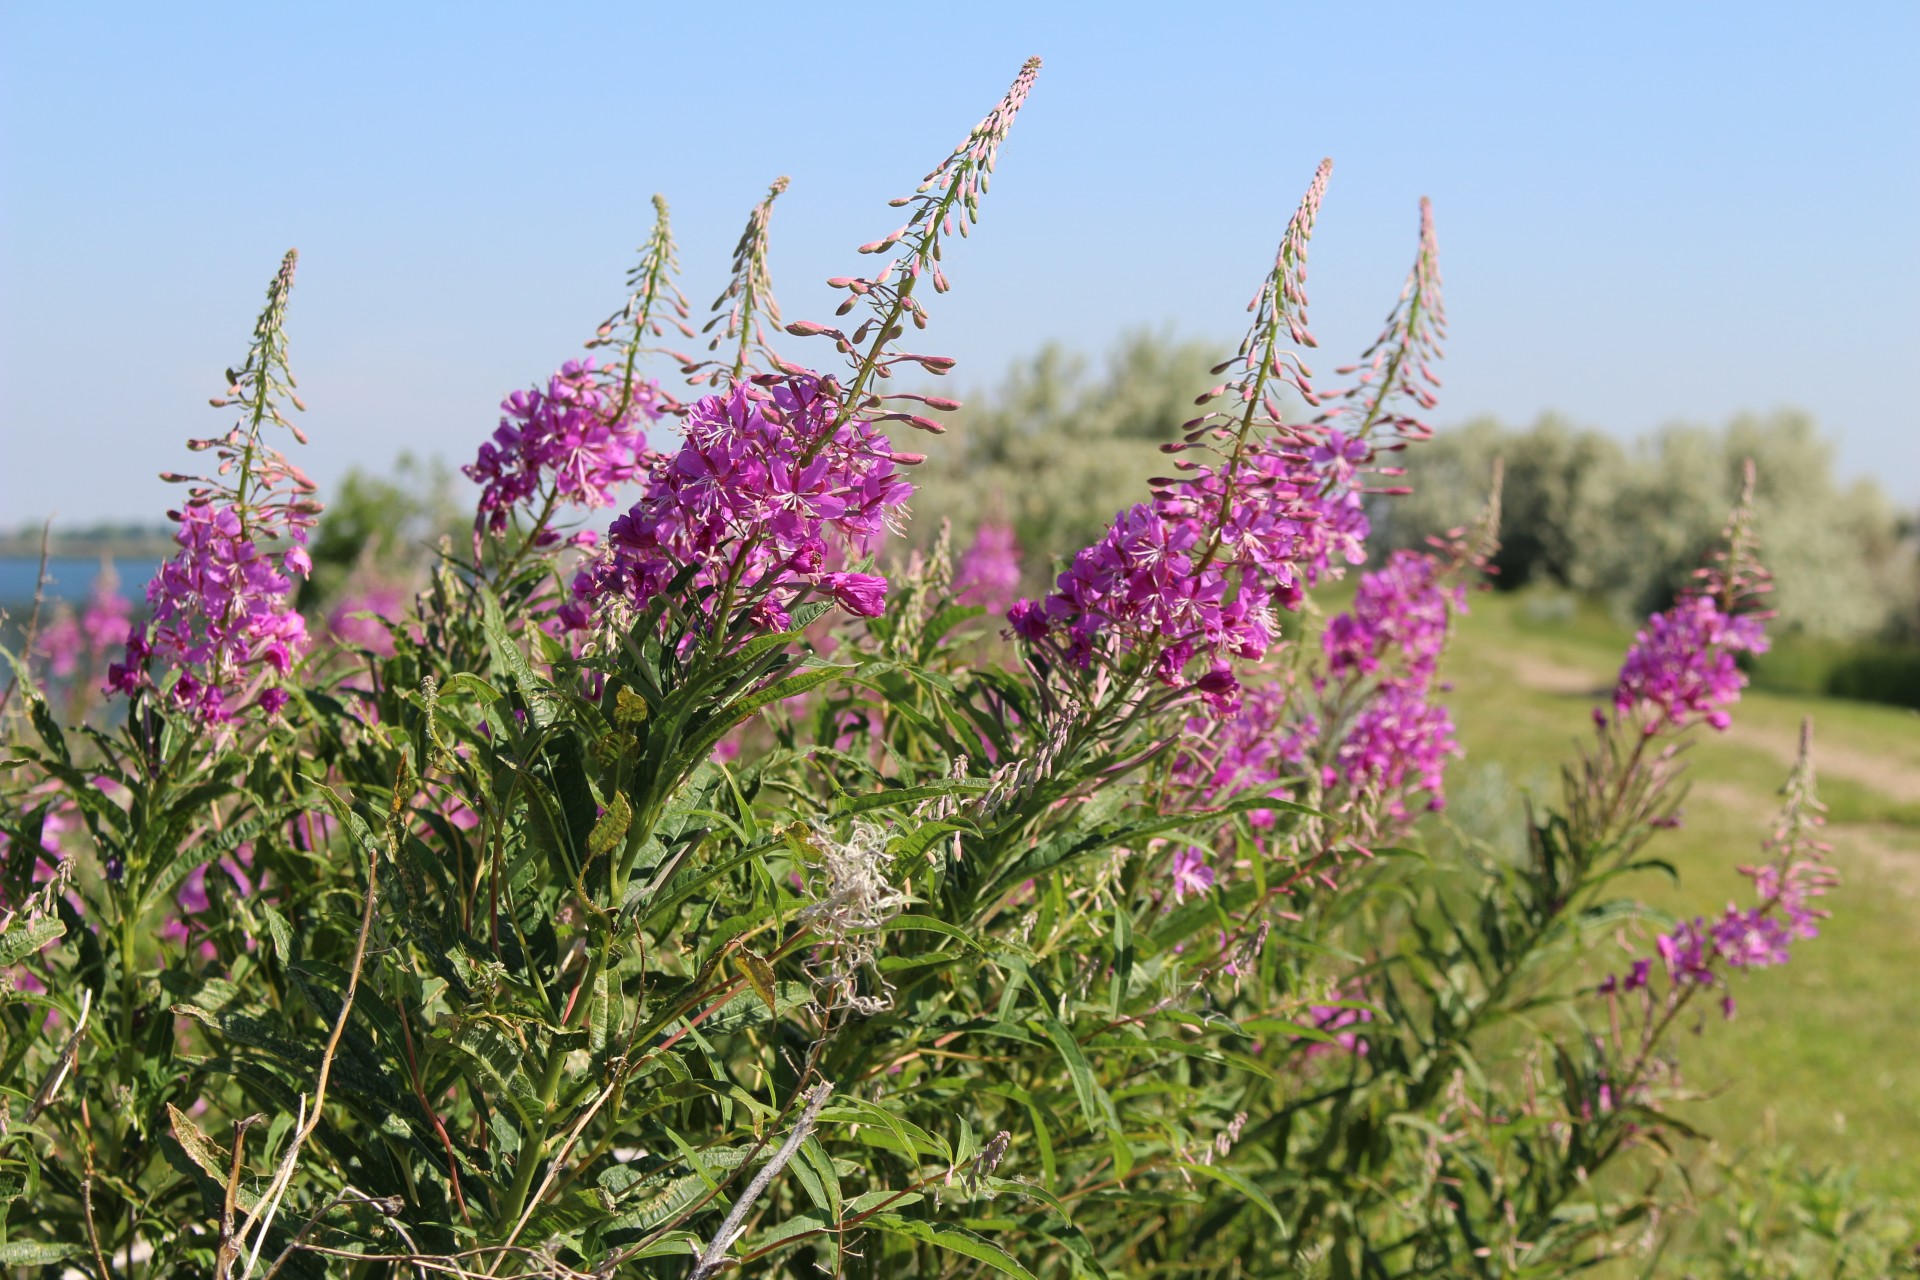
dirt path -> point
(1893, 778)
(1887, 857)
(1548, 676)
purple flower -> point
(763, 491)
(364, 616)
(1028, 618)
(862, 594)
(1681, 667)
(221, 615)
(1200, 570)
(989, 572)
(1399, 742)
(1191, 874)
(1193, 573)
(1401, 607)
(575, 442)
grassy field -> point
(1824, 1053)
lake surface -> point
(69, 578)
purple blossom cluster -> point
(220, 612)
(1681, 668)
(1366, 728)
(1403, 607)
(101, 627)
(221, 616)
(768, 489)
(1399, 740)
(364, 615)
(1264, 742)
(1193, 574)
(1390, 738)
(1702, 952)
(988, 574)
(1399, 743)
(1340, 1021)
(1337, 536)
(573, 442)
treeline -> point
(1626, 522)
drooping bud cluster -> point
(761, 496)
(1398, 366)
(947, 200)
(221, 610)
(745, 306)
(573, 442)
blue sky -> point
(1647, 212)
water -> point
(70, 578)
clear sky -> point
(1647, 212)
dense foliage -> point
(714, 894)
(1628, 524)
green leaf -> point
(611, 829)
(534, 691)
(23, 938)
(32, 1253)
(953, 1240)
(759, 974)
(933, 924)
(278, 930)
(1094, 1102)
(908, 795)
(1231, 1177)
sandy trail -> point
(1892, 777)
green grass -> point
(1825, 1051)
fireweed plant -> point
(733, 894)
